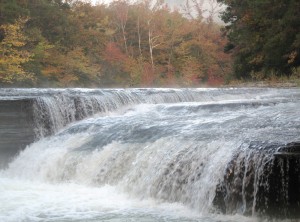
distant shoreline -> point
(264, 84)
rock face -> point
(263, 180)
(16, 128)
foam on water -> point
(144, 161)
(34, 201)
(56, 108)
(29, 201)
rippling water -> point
(148, 160)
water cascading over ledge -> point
(27, 115)
(212, 150)
(263, 179)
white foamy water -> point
(149, 160)
(30, 201)
(23, 200)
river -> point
(146, 154)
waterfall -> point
(257, 182)
(53, 109)
(200, 151)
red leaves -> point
(113, 53)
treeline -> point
(264, 37)
(71, 43)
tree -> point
(52, 19)
(126, 43)
(13, 54)
(71, 68)
(10, 10)
(214, 9)
(154, 35)
(263, 35)
(120, 9)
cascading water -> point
(155, 155)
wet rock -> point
(263, 180)
(16, 128)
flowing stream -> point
(143, 154)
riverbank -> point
(273, 81)
(262, 84)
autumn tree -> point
(73, 68)
(126, 43)
(13, 55)
(120, 11)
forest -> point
(73, 43)
(264, 38)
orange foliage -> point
(113, 53)
(148, 75)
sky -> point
(101, 1)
